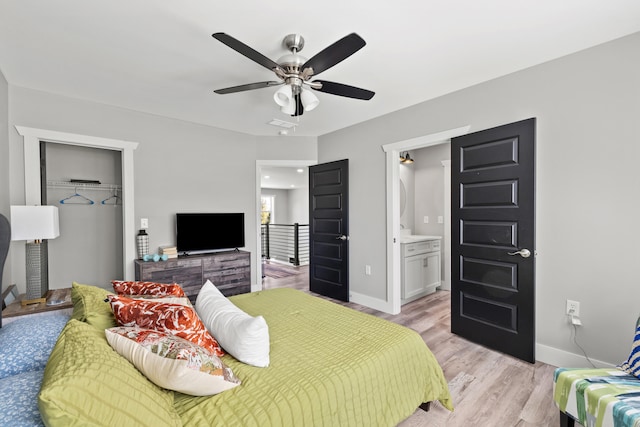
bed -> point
(329, 366)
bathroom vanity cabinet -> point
(420, 266)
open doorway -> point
(282, 214)
(424, 208)
(393, 151)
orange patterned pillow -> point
(176, 319)
(147, 288)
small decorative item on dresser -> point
(169, 251)
(142, 242)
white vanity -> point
(420, 265)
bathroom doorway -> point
(425, 185)
(393, 152)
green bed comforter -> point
(330, 366)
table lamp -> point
(35, 223)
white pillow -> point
(244, 337)
(172, 362)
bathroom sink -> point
(412, 238)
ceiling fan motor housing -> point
(293, 42)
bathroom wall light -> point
(405, 158)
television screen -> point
(209, 232)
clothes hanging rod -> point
(83, 185)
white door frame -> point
(392, 150)
(32, 138)
(257, 268)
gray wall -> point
(429, 188)
(587, 106)
(299, 205)
(179, 166)
(281, 205)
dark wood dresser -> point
(229, 271)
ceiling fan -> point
(295, 71)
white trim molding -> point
(446, 282)
(32, 138)
(561, 358)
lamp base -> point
(33, 301)
(37, 269)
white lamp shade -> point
(290, 108)
(309, 100)
(34, 222)
(283, 96)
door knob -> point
(343, 237)
(524, 253)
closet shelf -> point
(84, 185)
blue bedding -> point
(25, 345)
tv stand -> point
(230, 271)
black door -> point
(329, 229)
(493, 238)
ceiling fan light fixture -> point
(283, 96)
(294, 70)
(290, 108)
(309, 100)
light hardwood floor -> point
(489, 389)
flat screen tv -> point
(198, 233)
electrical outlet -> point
(144, 222)
(573, 308)
(367, 270)
(426, 219)
(440, 219)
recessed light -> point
(292, 186)
(299, 170)
(267, 177)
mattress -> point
(330, 366)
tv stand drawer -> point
(230, 271)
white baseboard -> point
(560, 358)
(367, 301)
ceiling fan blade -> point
(337, 52)
(344, 90)
(245, 50)
(249, 86)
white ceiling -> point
(285, 178)
(159, 57)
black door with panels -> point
(493, 238)
(329, 229)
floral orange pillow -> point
(179, 320)
(122, 287)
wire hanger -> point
(114, 197)
(84, 200)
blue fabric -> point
(25, 344)
(632, 364)
(19, 400)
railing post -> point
(266, 239)
(296, 243)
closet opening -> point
(85, 184)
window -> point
(267, 211)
